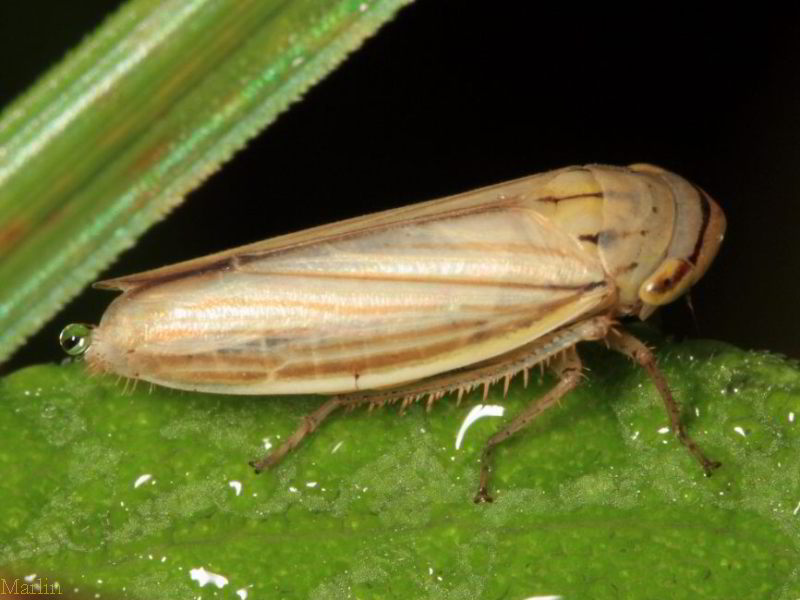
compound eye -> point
(671, 280)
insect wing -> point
(378, 305)
(438, 209)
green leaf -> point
(140, 114)
(123, 492)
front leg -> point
(631, 347)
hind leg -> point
(307, 427)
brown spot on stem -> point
(12, 232)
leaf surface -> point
(127, 493)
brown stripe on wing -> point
(557, 199)
(418, 352)
(231, 358)
(416, 334)
(207, 377)
(232, 303)
(179, 333)
(371, 362)
(224, 367)
(169, 363)
(503, 247)
(470, 281)
(231, 366)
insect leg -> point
(309, 424)
(461, 381)
(636, 350)
(567, 367)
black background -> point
(453, 95)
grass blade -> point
(141, 113)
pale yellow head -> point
(698, 233)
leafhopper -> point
(421, 301)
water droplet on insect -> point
(75, 338)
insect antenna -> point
(688, 297)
